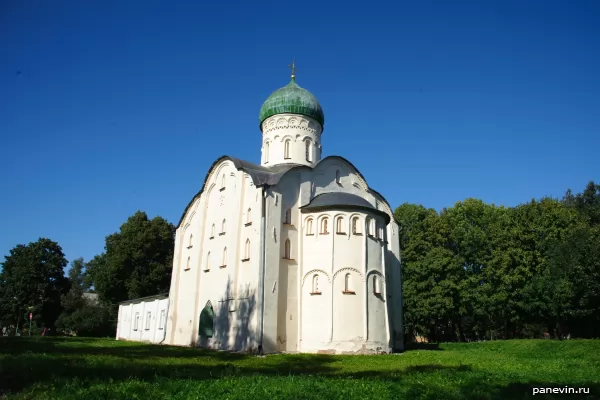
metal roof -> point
(341, 200)
(147, 298)
(294, 100)
(267, 176)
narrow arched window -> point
(307, 151)
(249, 216)
(224, 263)
(287, 251)
(148, 320)
(339, 226)
(337, 176)
(266, 152)
(223, 226)
(324, 226)
(223, 182)
(348, 283)
(212, 231)
(355, 226)
(309, 227)
(287, 219)
(376, 285)
(315, 284)
(247, 250)
(207, 266)
(286, 149)
(191, 241)
(188, 263)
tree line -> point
(477, 271)
(470, 272)
(136, 262)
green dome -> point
(292, 99)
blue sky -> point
(107, 107)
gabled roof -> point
(147, 298)
(341, 200)
(261, 176)
(267, 176)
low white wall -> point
(151, 322)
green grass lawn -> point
(80, 368)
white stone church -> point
(297, 254)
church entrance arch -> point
(207, 321)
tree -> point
(32, 280)
(476, 270)
(73, 299)
(587, 203)
(91, 320)
(429, 284)
(408, 216)
(80, 315)
(137, 260)
(576, 261)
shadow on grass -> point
(421, 346)
(87, 346)
(60, 361)
(437, 367)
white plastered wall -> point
(230, 284)
(293, 319)
(298, 130)
(149, 328)
(343, 317)
(328, 322)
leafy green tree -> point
(80, 315)
(137, 260)
(472, 230)
(577, 261)
(428, 274)
(587, 203)
(539, 227)
(408, 216)
(476, 270)
(73, 299)
(579, 257)
(90, 319)
(32, 280)
(549, 296)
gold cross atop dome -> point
(292, 66)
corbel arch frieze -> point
(278, 122)
(216, 172)
(284, 137)
(312, 272)
(376, 273)
(339, 271)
